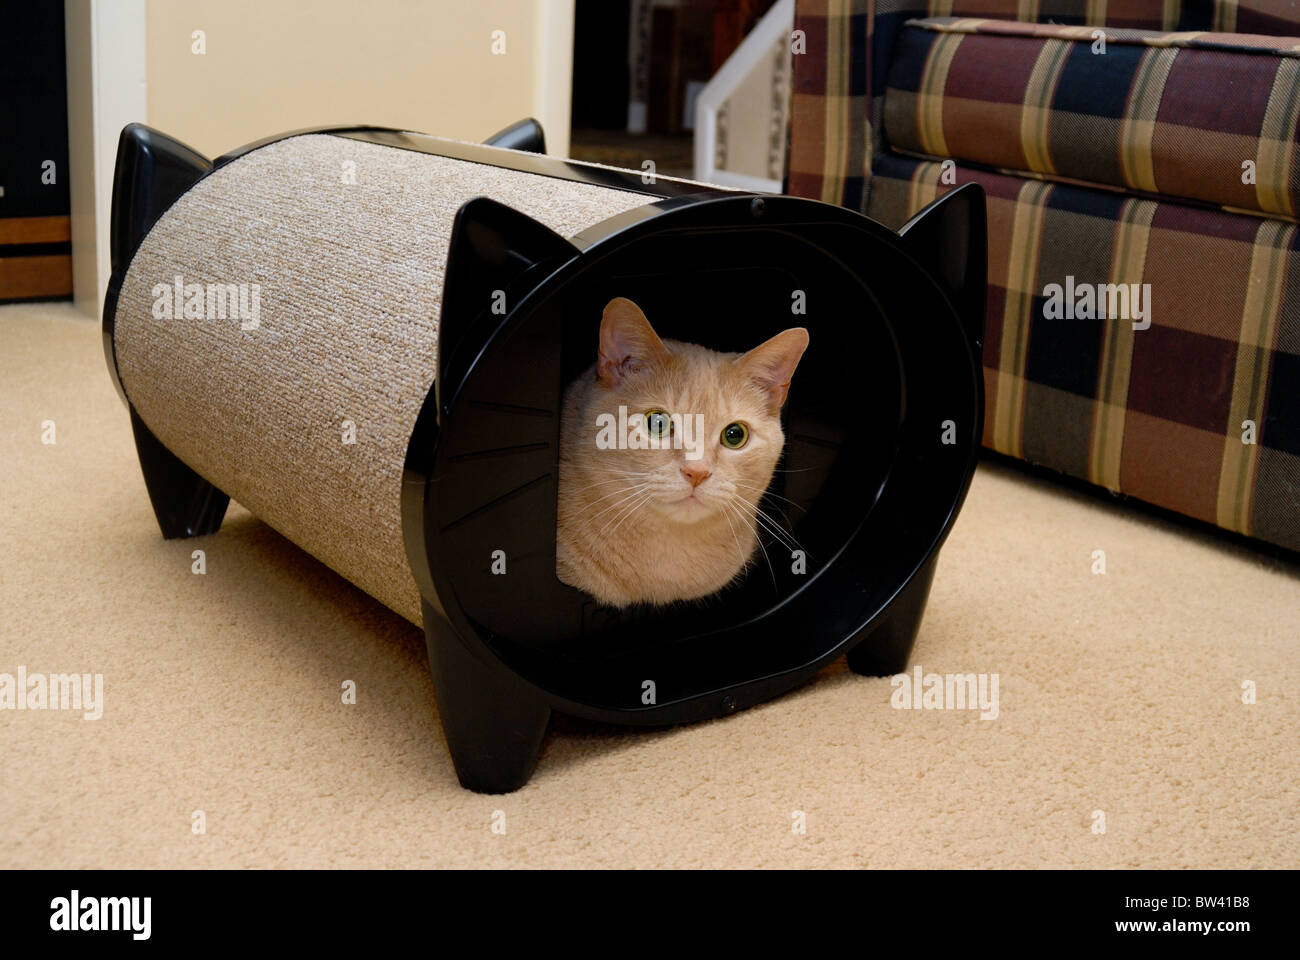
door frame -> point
(105, 42)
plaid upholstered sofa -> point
(1143, 151)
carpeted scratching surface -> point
(258, 412)
(1119, 693)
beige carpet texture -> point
(1147, 715)
(318, 381)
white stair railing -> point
(742, 114)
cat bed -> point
(364, 335)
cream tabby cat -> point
(659, 525)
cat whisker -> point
(633, 509)
(768, 493)
(631, 495)
(624, 489)
(757, 539)
(624, 496)
(777, 529)
(740, 551)
(762, 528)
(767, 516)
(622, 478)
(773, 527)
(778, 533)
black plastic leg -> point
(887, 649)
(185, 504)
(494, 725)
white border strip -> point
(776, 23)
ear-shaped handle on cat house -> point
(949, 237)
(497, 250)
(523, 134)
(456, 511)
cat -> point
(655, 526)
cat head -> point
(696, 432)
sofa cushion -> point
(839, 84)
(1156, 413)
(1207, 117)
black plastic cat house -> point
(363, 336)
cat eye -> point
(735, 435)
(658, 422)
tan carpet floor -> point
(1119, 693)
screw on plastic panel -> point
(728, 703)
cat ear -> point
(771, 364)
(627, 342)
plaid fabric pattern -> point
(1200, 411)
(1127, 108)
(1157, 413)
(840, 81)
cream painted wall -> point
(276, 65)
(423, 65)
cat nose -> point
(696, 473)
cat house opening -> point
(861, 418)
(840, 422)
